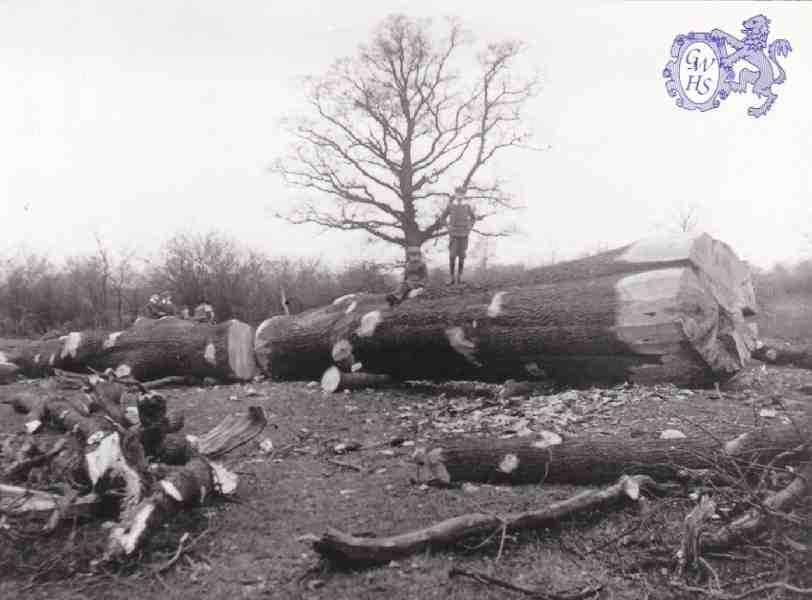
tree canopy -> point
(392, 131)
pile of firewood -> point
(132, 464)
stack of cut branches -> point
(133, 466)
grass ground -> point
(250, 548)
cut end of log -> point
(495, 307)
(241, 350)
(225, 481)
(334, 379)
(331, 380)
(268, 330)
(71, 344)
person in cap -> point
(460, 221)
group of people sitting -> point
(161, 305)
(460, 222)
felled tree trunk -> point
(594, 459)
(787, 355)
(154, 349)
(674, 309)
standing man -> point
(460, 222)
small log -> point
(786, 355)
(184, 487)
(18, 500)
(346, 548)
(595, 459)
(478, 389)
(334, 379)
(152, 350)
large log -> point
(154, 349)
(597, 459)
(675, 309)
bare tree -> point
(395, 128)
(686, 216)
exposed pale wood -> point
(183, 487)
(346, 548)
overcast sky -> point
(137, 120)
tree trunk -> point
(596, 459)
(675, 309)
(150, 350)
(797, 356)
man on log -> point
(461, 220)
(676, 309)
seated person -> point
(415, 274)
(204, 313)
(160, 305)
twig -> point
(625, 532)
(168, 564)
(527, 590)
(776, 585)
(183, 547)
(501, 541)
(346, 465)
(20, 467)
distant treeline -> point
(106, 289)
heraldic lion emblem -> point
(751, 49)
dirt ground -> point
(251, 547)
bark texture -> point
(151, 350)
(591, 459)
(675, 309)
